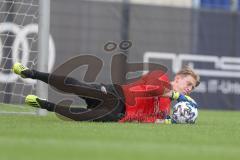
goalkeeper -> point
(145, 100)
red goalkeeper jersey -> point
(143, 100)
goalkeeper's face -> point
(184, 84)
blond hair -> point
(186, 70)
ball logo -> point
(21, 48)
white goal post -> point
(43, 46)
(24, 38)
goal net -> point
(18, 43)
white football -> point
(184, 112)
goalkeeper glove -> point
(180, 97)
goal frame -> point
(43, 47)
(43, 35)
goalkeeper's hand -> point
(180, 97)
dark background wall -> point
(83, 27)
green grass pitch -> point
(216, 136)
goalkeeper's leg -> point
(65, 111)
(25, 72)
(85, 91)
(77, 114)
